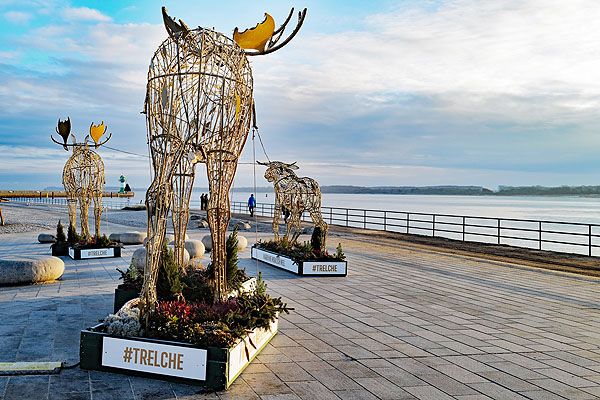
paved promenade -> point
(405, 323)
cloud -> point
(17, 16)
(510, 60)
(84, 14)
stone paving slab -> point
(406, 323)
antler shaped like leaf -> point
(173, 28)
(256, 38)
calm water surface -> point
(568, 209)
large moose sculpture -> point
(199, 105)
(83, 175)
(296, 195)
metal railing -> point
(115, 203)
(569, 237)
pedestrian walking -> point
(251, 204)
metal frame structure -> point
(297, 195)
(198, 106)
(83, 175)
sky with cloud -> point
(371, 93)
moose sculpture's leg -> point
(84, 207)
(276, 214)
(220, 175)
(158, 202)
(97, 212)
(72, 206)
(183, 183)
(296, 225)
(317, 218)
(293, 222)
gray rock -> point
(46, 238)
(207, 242)
(133, 237)
(195, 248)
(139, 258)
(242, 243)
(115, 237)
(243, 226)
(203, 224)
(30, 269)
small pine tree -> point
(72, 235)
(168, 285)
(232, 262)
(339, 253)
(60, 233)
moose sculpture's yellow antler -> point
(96, 132)
(257, 37)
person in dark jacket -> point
(251, 204)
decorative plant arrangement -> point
(78, 247)
(307, 251)
(187, 313)
(308, 258)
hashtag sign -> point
(127, 354)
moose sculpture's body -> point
(83, 176)
(296, 195)
(199, 107)
(83, 179)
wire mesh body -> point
(296, 195)
(198, 106)
(83, 179)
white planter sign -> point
(323, 268)
(275, 260)
(82, 254)
(319, 268)
(184, 362)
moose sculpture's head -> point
(278, 170)
(64, 130)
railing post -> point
(433, 226)
(498, 230)
(346, 217)
(407, 222)
(590, 240)
(330, 216)
(540, 234)
(364, 219)
(385, 220)
(463, 228)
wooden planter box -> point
(299, 267)
(103, 252)
(214, 368)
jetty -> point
(41, 194)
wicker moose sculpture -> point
(198, 107)
(83, 175)
(296, 195)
